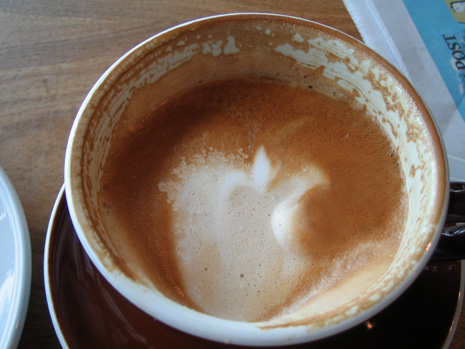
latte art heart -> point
(235, 226)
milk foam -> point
(235, 231)
(246, 209)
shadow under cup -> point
(270, 46)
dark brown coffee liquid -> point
(234, 252)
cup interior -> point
(298, 52)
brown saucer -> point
(89, 313)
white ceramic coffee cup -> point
(231, 45)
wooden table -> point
(51, 53)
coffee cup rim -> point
(197, 323)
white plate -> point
(15, 265)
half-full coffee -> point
(245, 199)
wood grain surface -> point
(51, 53)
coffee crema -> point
(246, 199)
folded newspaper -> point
(425, 40)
